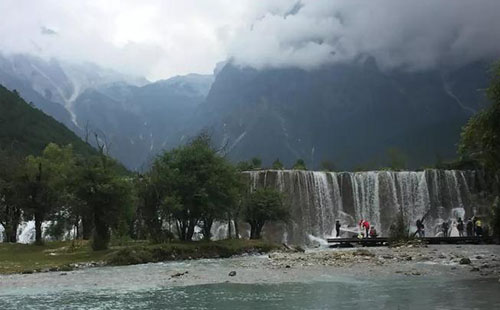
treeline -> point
(188, 188)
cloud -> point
(47, 31)
(412, 35)
(162, 38)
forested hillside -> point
(27, 130)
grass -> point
(61, 256)
(15, 257)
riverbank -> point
(69, 255)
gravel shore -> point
(454, 262)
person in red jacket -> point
(366, 226)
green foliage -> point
(10, 210)
(327, 165)
(244, 166)
(480, 139)
(397, 159)
(193, 185)
(256, 162)
(28, 130)
(277, 165)
(299, 165)
(264, 205)
(44, 184)
(106, 197)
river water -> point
(208, 286)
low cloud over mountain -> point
(414, 35)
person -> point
(478, 228)
(373, 232)
(445, 226)
(337, 228)
(460, 227)
(469, 228)
(420, 228)
(366, 226)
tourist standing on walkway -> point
(366, 226)
(420, 228)
(337, 228)
(470, 228)
(478, 228)
(460, 227)
(445, 227)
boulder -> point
(465, 261)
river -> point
(206, 284)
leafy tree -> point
(150, 213)
(200, 186)
(106, 196)
(256, 163)
(277, 165)
(480, 138)
(44, 182)
(264, 205)
(299, 165)
(244, 166)
(10, 211)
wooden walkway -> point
(379, 241)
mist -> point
(412, 35)
(158, 39)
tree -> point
(480, 138)
(264, 205)
(299, 165)
(200, 186)
(277, 165)
(150, 213)
(106, 196)
(10, 211)
(256, 163)
(244, 166)
(45, 180)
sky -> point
(163, 38)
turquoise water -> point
(397, 293)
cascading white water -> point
(318, 199)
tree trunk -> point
(101, 237)
(190, 231)
(229, 228)
(181, 229)
(236, 229)
(38, 227)
(11, 233)
(253, 229)
(87, 228)
(207, 227)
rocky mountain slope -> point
(353, 115)
(350, 114)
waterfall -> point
(318, 199)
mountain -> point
(52, 85)
(27, 130)
(139, 122)
(354, 115)
(136, 118)
(350, 114)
